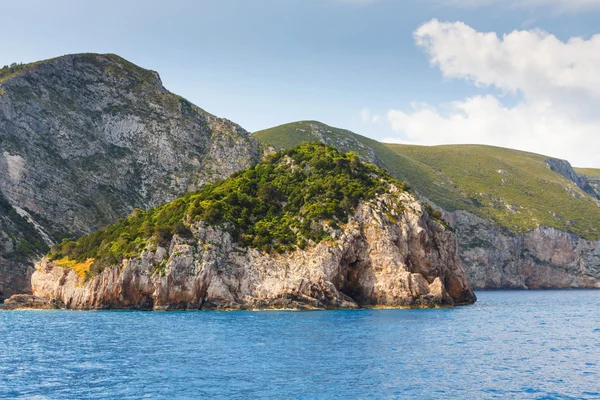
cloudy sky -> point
(523, 74)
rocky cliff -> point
(589, 184)
(544, 258)
(390, 253)
(310, 227)
(523, 220)
(84, 139)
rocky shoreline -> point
(386, 256)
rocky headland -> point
(386, 252)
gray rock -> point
(28, 302)
(87, 138)
(544, 258)
(590, 185)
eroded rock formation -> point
(390, 253)
(544, 258)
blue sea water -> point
(513, 344)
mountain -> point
(523, 220)
(309, 227)
(87, 138)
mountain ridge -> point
(425, 164)
(86, 138)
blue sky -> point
(354, 64)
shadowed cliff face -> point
(86, 138)
(590, 185)
(390, 253)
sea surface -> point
(510, 344)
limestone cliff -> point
(544, 258)
(390, 253)
(86, 138)
(523, 220)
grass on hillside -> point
(593, 172)
(511, 188)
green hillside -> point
(511, 188)
(292, 199)
(588, 172)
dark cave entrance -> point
(350, 281)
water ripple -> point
(531, 345)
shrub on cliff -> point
(284, 202)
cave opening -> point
(350, 285)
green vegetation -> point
(11, 70)
(290, 135)
(291, 199)
(593, 172)
(14, 69)
(511, 188)
(28, 243)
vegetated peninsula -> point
(523, 220)
(309, 227)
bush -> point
(277, 205)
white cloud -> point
(558, 84)
(570, 6)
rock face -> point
(390, 253)
(15, 277)
(544, 258)
(86, 138)
(18, 238)
(29, 302)
(590, 185)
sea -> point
(509, 345)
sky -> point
(522, 74)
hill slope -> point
(86, 138)
(308, 227)
(513, 189)
(523, 220)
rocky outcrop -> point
(29, 302)
(544, 258)
(390, 253)
(87, 138)
(590, 185)
(18, 240)
(15, 277)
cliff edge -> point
(308, 228)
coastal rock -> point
(29, 302)
(389, 254)
(86, 138)
(544, 258)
